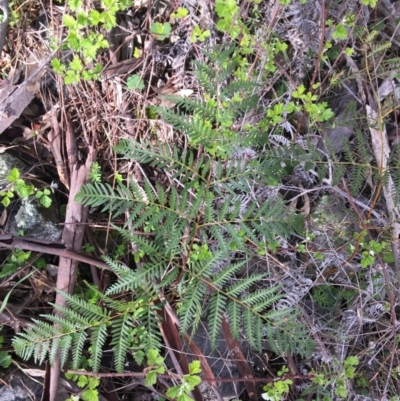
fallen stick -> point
(51, 248)
(72, 236)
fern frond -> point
(234, 312)
(64, 346)
(338, 173)
(394, 161)
(117, 267)
(261, 299)
(120, 342)
(55, 345)
(253, 324)
(195, 127)
(159, 156)
(191, 305)
(36, 340)
(215, 316)
(97, 340)
(192, 105)
(150, 320)
(225, 275)
(357, 177)
(212, 199)
(241, 286)
(87, 310)
(100, 192)
(70, 321)
(148, 247)
(78, 342)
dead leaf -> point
(3, 217)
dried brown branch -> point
(73, 232)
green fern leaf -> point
(234, 311)
(253, 324)
(78, 344)
(97, 340)
(191, 306)
(215, 316)
(120, 342)
(241, 286)
(224, 276)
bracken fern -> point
(212, 203)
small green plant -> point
(17, 185)
(44, 197)
(227, 11)
(272, 48)
(189, 382)
(119, 251)
(340, 32)
(95, 172)
(135, 82)
(155, 366)
(369, 250)
(336, 381)
(161, 30)
(276, 390)
(89, 386)
(88, 248)
(212, 122)
(318, 111)
(200, 253)
(349, 369)
(16, 259)
(180, 13)
(372, 248)
(13, 17)
(5, 357)
(84, 40)
(198, 34)
(371, 3)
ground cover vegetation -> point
(228, 178)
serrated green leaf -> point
(173, 392)
(90, 395)
(82, 381)
(151, 378)
(135, 82)
(193, 381)
(69, 21)
(340, 32)
(14, 175)
(5, 359)
(76, 64)
(195, 367)
(6, 201)
(74, 4)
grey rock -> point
(337, 137)
(36, 221)
(7, 163)
(3, 23)
(30, 216)
(21, 388)
(342, 102)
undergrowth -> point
(232, 235)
